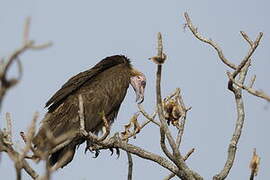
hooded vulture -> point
(102, 88)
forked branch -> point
(241, 71)
(14, 57)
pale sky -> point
(84, 32)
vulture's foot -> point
(91, 149)
(96, 153)
(117, 151)
(90, 146)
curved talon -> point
(88, 146)
(96, 153)
(117, 152)
(111, 149)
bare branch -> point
(29, 137)
(161, 56)
(127, 135)
(26, 30)
(252, 81)
(183, 121)
(170, 176)
(130, 166)
(238, 127)
(41, 46)
(26, 45)
(249, 54)
(8, 130)
(164, 130)
(254, 92)
(14, 156)
(116, 142)
(245, 36)
(188, 154)
(195, 32)
(241, 69)
(145, 114)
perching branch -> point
(117, 142)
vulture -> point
(103, 89)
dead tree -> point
(169, 113)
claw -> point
(111, 149)
(117, 152)
(96, 153)
(88, 147)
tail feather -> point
(61, 157)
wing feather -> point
(77, 81)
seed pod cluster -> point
(173, 111)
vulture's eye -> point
(143, 83)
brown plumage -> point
(103, 88)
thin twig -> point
(250, 52)
(188, 154)
(26, 45)
(15, 155)
(145, 114)
(183, 118)
(130, 166)
(29, 137)
(245, 36)
(9, 128)
(252, 81)
(252, 91)
(195, 32)
(241, 69)
(171, 175)
(146, 122)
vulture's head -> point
(138, 82)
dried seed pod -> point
(254, 163)
(158, 59)
(136, 127)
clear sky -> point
(84, 32)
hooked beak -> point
(138, 83)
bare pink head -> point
(138, 82)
